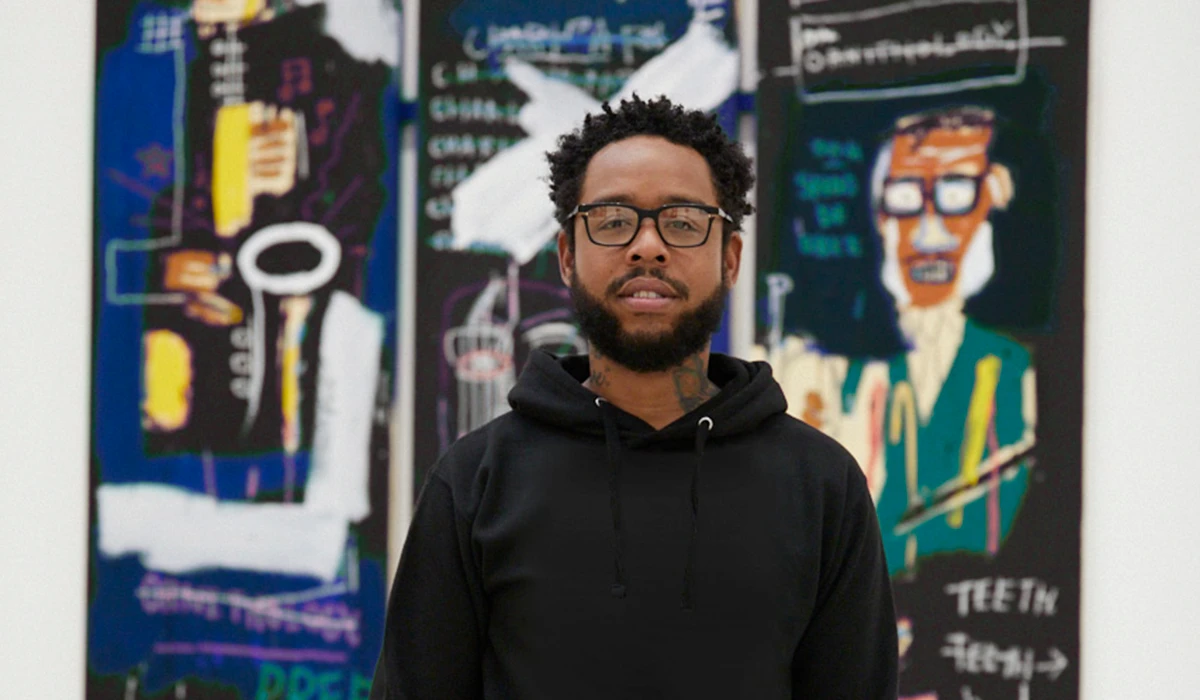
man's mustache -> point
(680, 288)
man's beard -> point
(647, 352)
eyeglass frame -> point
(928, 191)
(652, 214)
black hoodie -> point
(569, 550)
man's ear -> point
(731, 258)
(1000, 185)
(566, 258)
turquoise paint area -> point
(940, 441)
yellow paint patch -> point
(979, 420)
(295, 312)
(231, 170)
(167, 379)
(904, 417)
(253, 7)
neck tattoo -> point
(692, 385)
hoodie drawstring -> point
(703, 428)
(613, 440)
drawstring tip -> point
(618, 590)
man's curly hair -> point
(732, 171)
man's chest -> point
(569, 528)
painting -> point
(245, 277)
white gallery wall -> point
(1141, 619)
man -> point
(647, 521)
(945, 429)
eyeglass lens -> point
(681, 226)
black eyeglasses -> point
(952, 195)
(679, 225)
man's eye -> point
(682, 225)
(613, 224)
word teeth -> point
(647, 295)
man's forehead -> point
(634, 165)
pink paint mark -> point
(878, 408)
(252, 483)
(250, 652)
(993, 499)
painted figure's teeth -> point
(647, 295)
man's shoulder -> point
(469, 449)
(806, 449)
(460, 465)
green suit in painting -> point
(951, 485)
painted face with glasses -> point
(933, 205)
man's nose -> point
(647, 244)
(932, 236)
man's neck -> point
(658, 398)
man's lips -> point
(645, 294)
(646, 288)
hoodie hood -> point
(551, 390)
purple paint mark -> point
(334, 156)
(341, 201)
(289, 478)
(130, 184)
(537, 319)
(162, 223)
(443, 411)
(447, 319)
(210, 474)
(250, 652)
(555, 289)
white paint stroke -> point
(347, 381)
(893, 9)
(177, 531)
(369, 30)
(293, 283)
(504, 202)
(699, 71)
